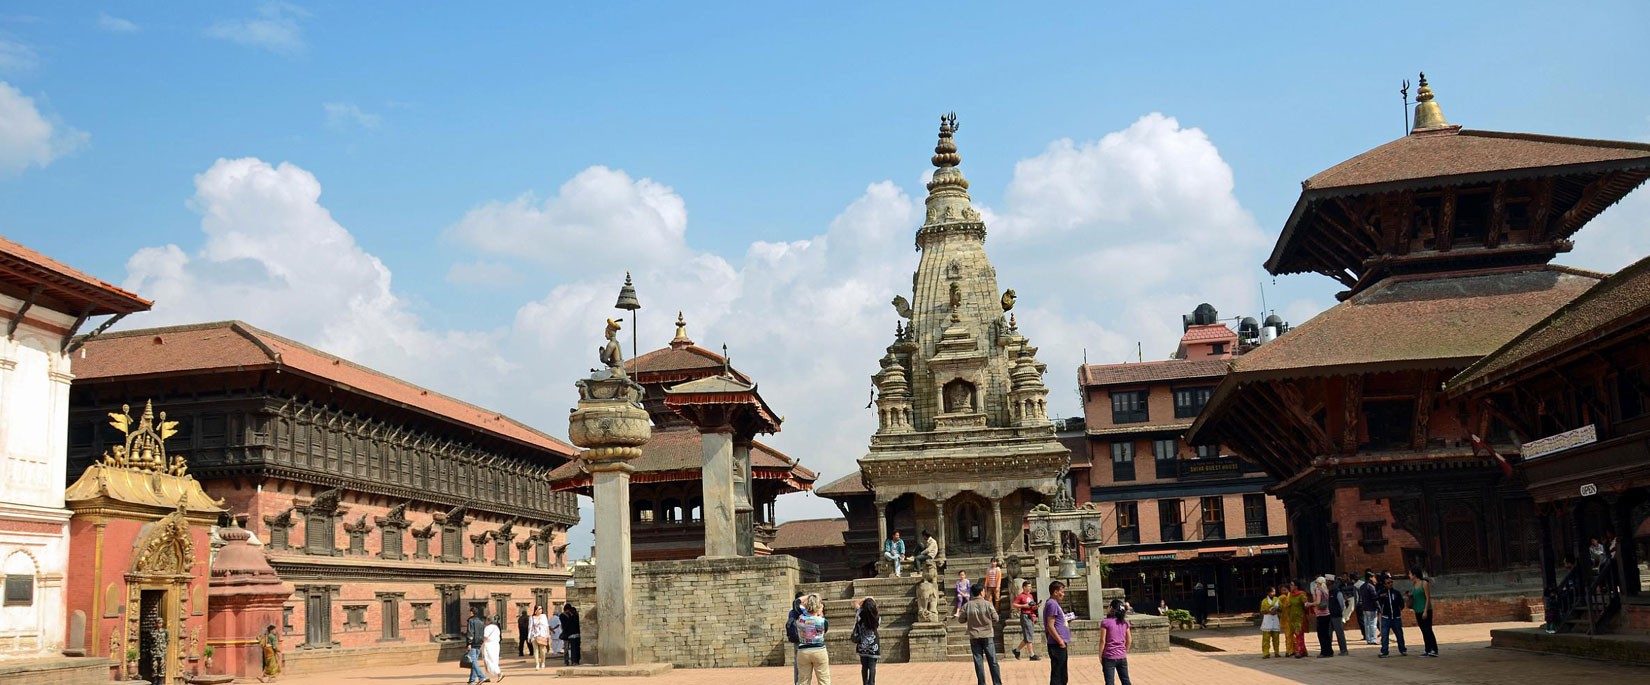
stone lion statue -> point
(928, 597)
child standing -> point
(1270, 624)
(962, 593)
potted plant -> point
(206, 654)
(1179, 618)
(131, 660)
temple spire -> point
(681, 340)
(1428, 115)
(946, 159)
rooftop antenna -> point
(1139, 352)
(1263, 283)
(1404, 93)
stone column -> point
(611, 424)
(1043, 579)
(939, 535)
(882, 525)
(1097, 599)
(997, 525)
(743, 509)
(716, 475)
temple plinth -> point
(244, 596)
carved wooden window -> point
(391, 545)
(420, 614)
(286, 619)
(389, 613)
(1214, 518)
(19, 590)
(317, 614)
(1128, 523)
(1254, 514)
(452, 542)
(452, 609)
(1169, 520)
(1390, 423)
(541, 551)
(355, 617)
(1166, 452)
(1122, 461)
(320, 533)
(1189, 401)
(1129, 406)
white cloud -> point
(343, 115)
(114, 24)
(1105, 242)
(275, 28)
(15, 56)
(28, 138)
(483, 274)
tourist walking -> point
(1366, 606)
(1025, 604)
(1270, 608)
(524, 625)
(893, 549)
(555, 631)
(538, 631)
(812, 660)
(270, 644)
(1115, 640)
(1294, 620)
(491, 639)
(1391, 605)
(866, 642)
(570, 635)
(962, 593)
(1420, 601)
(473, 637)
(1320, 613)
(1337, 610)
(1058, 632)
(994, 582)
(790, 633)
(981, 617)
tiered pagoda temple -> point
(666, 489)
(963, 446)
(1442, 239)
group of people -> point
(1326, 603)
(806, 627)
(542, 634)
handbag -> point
(464, 660)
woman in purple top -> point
(962, 593)
(1115, 639)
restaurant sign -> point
(1551, 444)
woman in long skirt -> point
(270, 644)
(489, 651)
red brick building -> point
(391, 509)
(1442, 239)
(1176, 515)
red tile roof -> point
(810, 533)
(1099, 375)
(233, 345)
(1415, 323)
(675, 454)
(677, 363)
(1203, 333)
(69, 290)
(1617, 302)
(1432, 157)
(846, 486)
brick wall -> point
(1458, 610)
(703, 613)
(1349, 509)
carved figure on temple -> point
(956, 296)
(1008, 299)
(959, 397)
(928, 596)
(902, 306)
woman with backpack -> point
(865, 640)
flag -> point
(1478, 445)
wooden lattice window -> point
(1128, 523)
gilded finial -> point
(945, 151)
(1428, 115)
(1012, 324)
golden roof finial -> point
(1428, 115)
(681, 339)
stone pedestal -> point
(927, 642)
(744, 509)
(611, 424)
(1097, 595)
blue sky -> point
(774, 147)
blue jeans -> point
(894, 558)
(983, 650)
(1372, 623)
(1119, 667)
(476, 674)
(1392, 626)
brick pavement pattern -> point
(1466, 660)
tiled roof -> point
(70, 290)
(810, 533)
(846, 486)
(1095, 375)
(1414, 323)
(233, 345)
(1434, 156)
(1617, 301)
(678, 451)
(1079, 446)
(1202, 333)
(677, 361)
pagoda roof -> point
(61, 287)
(1139, 373)
(678, 363)
(225, 346)
(846, 486)
(675, 455)
(1594, 174)
(1619, 302)
(806, 533)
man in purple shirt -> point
(1058, 633)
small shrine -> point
(139, 539)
